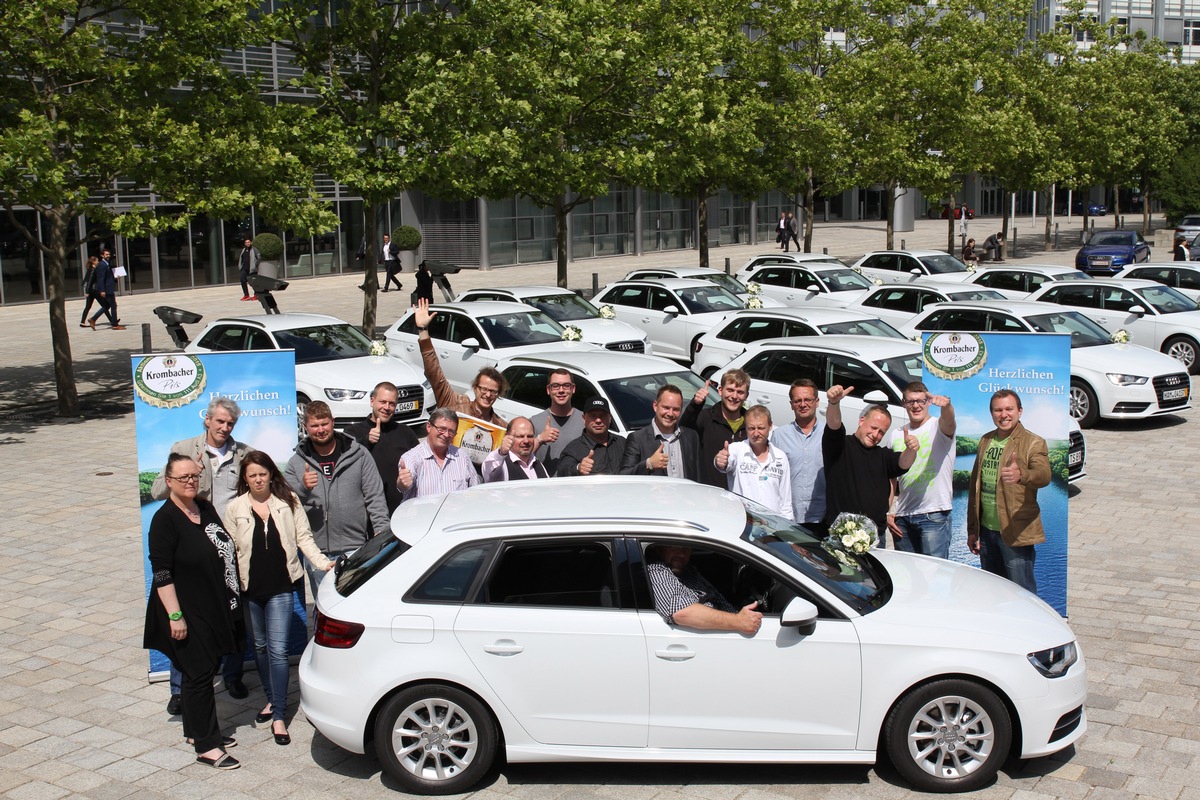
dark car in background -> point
(1109, 252)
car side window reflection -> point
(451, 580)
(569, 574)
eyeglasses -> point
(184, 478)
(918, 403)
(803, 401)
(559, 386)
(444, 431)
(487, 392)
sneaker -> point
(253, 297)
(246, 297)
(175, 704)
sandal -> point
(223, 761)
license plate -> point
(1101, 261)
(411, 405)
(1074, 458)
(1175, 394)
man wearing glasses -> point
(800, 440)
(561, 423)
(436, 466)
(488, 385)
(920, 517)
(219, 460)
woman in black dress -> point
(194, 613)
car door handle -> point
(762, 399)
(646, 319)
(675, 652)
(504, 647)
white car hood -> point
(360, 373)
(988, 612)
(606, 331)
(1129, 359)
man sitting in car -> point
(684, 597)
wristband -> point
(420, 329)
(175, 616)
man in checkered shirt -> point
(685, 597)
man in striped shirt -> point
(436, 466)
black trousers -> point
(392, 266)
(245, 275)
(92, 297)
(199, 709)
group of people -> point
(100, 287)
(787, 230)
(993, 250)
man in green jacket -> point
(1004, 521)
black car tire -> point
(435, 739)
(950, 735)
(1084, 406)
(1184, 350)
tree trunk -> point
(891, 214)
(950, 226)
(1145, 208)
(1006, 199)
(1116, 209)
(370, 275)
(810, 205)
(560, 240)
(59, 218)
(702, 221)
(1048, 242)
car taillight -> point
(335, 633)
(699, 347)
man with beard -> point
(858, 472)
(337, 483)
(384, 439)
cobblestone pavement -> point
(78, 718)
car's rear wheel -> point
(1084, 406)
(948, 736)
(435, 739)
(1184, 350)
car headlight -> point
(342, 395)
(1125, 380)
(1055, 662)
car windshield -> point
(519, 328)
(564, 307)
(1112, 238)
(942, 264)
(632, 398)
(726, 282)
(856, 580)
(1189, 222)
(1074, 275)
(975, 295)
(861, 327)
(702, 299)
(1166, 300)
(324, 343)
(902, 370)
(843, 280)
(1084, 332)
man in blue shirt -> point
(801, 442)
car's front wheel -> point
(1084, 406)
(948, 736)
(1184, 350)
(435, 739)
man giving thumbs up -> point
(1004, 521)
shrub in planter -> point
(269, 246)
(406, 237)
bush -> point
(269, 246)
(406, 237)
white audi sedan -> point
(517, 621)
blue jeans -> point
(272, 621)
(927, 534)
(1014, 563)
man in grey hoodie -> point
(339, 486)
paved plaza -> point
(78, 717)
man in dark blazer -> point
(664, 447)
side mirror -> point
(800, 614)
(813, 288)
(916, 271)
(1137, 311)
(671, 311)
(876, 396)
(470, 343)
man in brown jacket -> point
(1003, 518)
(488, 385)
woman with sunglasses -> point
(269, 525)
(194, 612)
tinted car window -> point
(258, 340)
(367, 561)
(738, 580)
(564, 574)
(844, 280)
(450, 581)
(851, 372)
(520, 328)
(773, 276)
(1003, 279)
(1071, 295)
(883, 261)
(788, 365)
(632, 296)
(862, 327)
(528, 385)
(632, 398)
(893, 299)
(223, 338)
(661, 300)
(751, 330)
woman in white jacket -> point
(757, 469)
(268, 526)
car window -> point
(1160, 274)
(893, 299)
(788, 365)
(661, 300)
(926, 298)
(737, 579)
(1188, 279)
(1084, 332)
(451, 580)
(805, 279)
(1117, 299)
(258, 340)
(1164, 300)
(793, 327)
(942, 264)
(1073, 295)
(889, 261)
(479, 296)
(460, 327)
(862, 327)
(324, 342)
(851, 372)
(752, 330)
(564, 307)
(632, 398)
(1002, 279)
(901, 371)
(367, 561)
(844, 280)
(528, 385)
(564, 574)
(1002, 323)
(224, 338)
(773, 276)
(1112, 238)
(702, 299)
(518, 328)
(726, 282)
(632, 296)
(643, 274)
(439, 327)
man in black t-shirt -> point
(386, 440)
(858, 472)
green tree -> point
(92, 94)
